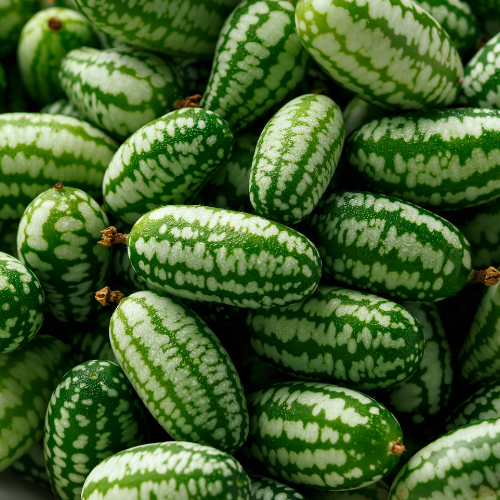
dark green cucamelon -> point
(264, 488)
(31, 466)
(8, 241)
(375, 491)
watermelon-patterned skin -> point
(180, 370)
(22, 304)
(224, 256)
(463, 464)
(172, 470)
(189, 30)
(29, 375)
(264, 488)
(439, 159)
(93, 413)
(45, 39)
(358, 112)
(390, 247)
(37, 150)
(63, 107)
(401, 58)
(166, 162)
(320, 435)
(340, 336)
(258, 62)
(14, 14)
(31, 466)
(375, 491)
(296, 157)
(121, 89)
(57, 239)
(124, 277)
(8, 241)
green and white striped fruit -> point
(31, 466)
(14, 14)
(22, 304)
(121, 89)
(29, 375)
(444, 159)
(322, 436)
(124, 275)
(375, 491)
(390, 53)
(462, 464)
(93, 413)
(46, 38)
(57, 239)
(187, 30)
(296, 157)
(264, 488)
(216, 255)
(258, 62)
(358, 112)
(391, 248)
(38, 150)
(166, 162)
(171, 471)
(63, 107)
(180, 370)
(340, 336)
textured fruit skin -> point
(102, 415)
(63, 107)
(120, 89)
(31, 466)
(390, 247)
(22, 304)
(14, 14)
(401, 58)
(375, 491)
(167, 470)
(296, 157)
(264, 488)
(180, 370)
(42, 45)
(187, 29)
(166, 162)
(357, 112)
(37, 150)
(320, 435)
(215, 255)
(57, 238)
(258, 62)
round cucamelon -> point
(189, 30)
(390, 53)
(320, 435)
(166, 162)
(57, 239)
(375, 491)
(119, 90)
(14, 14)
(216, 255)
(29, 375)
(45, 39)
(358, 112)
(258, 62)
(63, 107)
(31, 466)
(172, 470)
(93, 413)
(180, 370)
(22, 302)
(264, 488)
(296, 157)
(37, 150)
(389, 247)
(444, 159)
(341, 337)
(462, 464)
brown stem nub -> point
(397, 447)
(59, 186)
(319, 91)
(55, 24)
(106, 296)
(489, 277)
(189, 102)
(110, 236)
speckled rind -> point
(375, 491)
(264, 488)
(31, 466)
(358, 112)
(63, 107)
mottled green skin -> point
(180, 370)
(264, 488)
(444, 160)
(166, 162)
(171, 471)
(29, 376)
(389, 52)
(124, 275)
(93, 413)
(375, 491)
(340, 336)
(320, 435)
(120, 89)
(463, 464)
(216, 255)
(42, 47)
(358, 112)
(8, 241)
(63, 107)
(38, 150)
(258, 62)
(13, 16)
(389, 247)
(31, 466)
(185, 29)
(57, 238)
(22, 304)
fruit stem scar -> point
(397, 447)
(489, 277)
(59, 186)
(189, 102)
(106, 296)
(318, 91)
(110, 236)
(55, 24)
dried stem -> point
(59, 186)
(110, 236)
(189, 102)
(397, 448)
(488, 277)
(319, 91)
(55, 24)
(107, 296)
